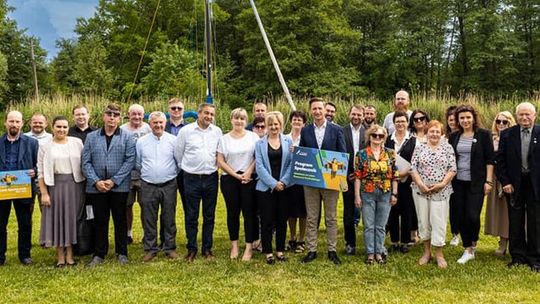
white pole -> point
(272, 57)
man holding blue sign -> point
(17, 152)
(326, 136)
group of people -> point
(407, 177)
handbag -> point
(85, 233)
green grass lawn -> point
(484, 280)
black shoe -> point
(26, 261)
(405, 248)
(2, 262)
(394, 248)
(535, 268)
(291, 246)
(515, 263)
(130, 240)
(350, 250)
(312, 255)
(332, 256)
(270, 260)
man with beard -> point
(354, 142)
(370, 116)
(401, 103)
(81, 127)
(18, 152)
(330, 111)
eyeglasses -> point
(419, 119)
(501, 122)
(259, 127)
(112, 114)
(176, 108)
(379, 136)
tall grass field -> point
(483, 280)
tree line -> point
(346, 48)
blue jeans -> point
(197, 188)
(375, 210)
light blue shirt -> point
(155, 158)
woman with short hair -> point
(375, 190)
(433, 166)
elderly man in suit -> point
(354, 142)
(519, 144)
(326, 136)
(107, 160)
(18, 152)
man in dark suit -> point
(325, 136)
(17, 152)
(354, 141)
(518, 170)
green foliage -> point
(63, 67)
(3, 75)
(90, 70)
(173, 71)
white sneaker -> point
(466, 257)
(455, 240)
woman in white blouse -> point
(61, 184)
(236, 158)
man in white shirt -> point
(158, 169)
(196, 152)
(138, 128)
(38, 124)
(401, 103)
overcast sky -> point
(50, 19)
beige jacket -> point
(45, 162)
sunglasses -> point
(501, 122)
(259, 127)
(113, 114)
(176, 108)
(379, 136)
(419, 119)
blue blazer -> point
(116, 163)
(27, 159)
(509, 159)
(333, 138)
(265, 180)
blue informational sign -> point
(320, 168)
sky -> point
(50, 19)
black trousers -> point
(524, 246)
(454, 218)
(469, 206)
(348, 216)
(404, 210)
(239, 198)
(23, 211)
(105, 205)
(273, 208)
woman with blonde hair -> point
(273, 165)
(496, 222)
(375, 190)
(236, 158)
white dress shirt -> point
(155, 158)
(196, 148)
(356, 137)
(319, 133)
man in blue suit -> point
(518, 170)
(17, 152)
(107, 160)
(325, 136)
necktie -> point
(525, 142)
